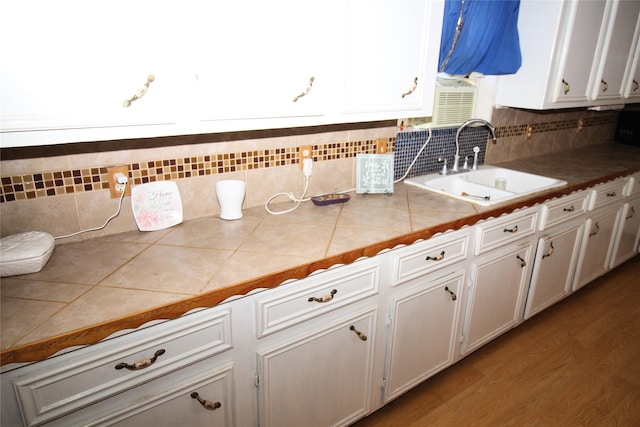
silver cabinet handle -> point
(569, 209)
(632, 213)
(207, 404)
(567, 87)
(596, 230)
(523, 263)
(511, 230)
(612, 194)
(605, 86)
(550, 252)
(636, 86)
(306, 90)
(453, 294)
(360, 335)
(412, 88)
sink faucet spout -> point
(456, 157)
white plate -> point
(156, 205)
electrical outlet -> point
(305, 152)
(381, 146)
(115, 188)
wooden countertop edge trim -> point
(45, 348)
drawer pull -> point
(306, 90)
(548, 254)
(523, 263)
(141, 91)
(511, 230)
(207, 404)
(412, 88)
(632, 213)
(325, 298)
(569, 209)
(141, 364)
(453, 294)
(435, 258)
(612, 194)
(596, 230)
(360, 335)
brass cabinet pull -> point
(632, 214)
(360, 335)
(635, 85)
(453, 294)
(325, 298)
(569, 209)
(439, 257)
(207, 404)
(605, 86)
(511, 230)
(307, 89)
(612, 194)
(567, 88)
(523, 263)
(412, 88)
(596, 230)
(141, 364)
(141, 91)
(548, 254)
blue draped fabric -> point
(488, 42)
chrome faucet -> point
(456, 157)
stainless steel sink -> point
(486, 186)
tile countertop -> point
(91, 289)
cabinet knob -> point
(438, 257)
(567, 87)
(306, 90)
(207, 404)
(551, 249)
(360, 335)
(412, 88)
(325, 298)
(141, 364)
(141, 91)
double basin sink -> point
(486, 186)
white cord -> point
(291, 197)
(106, 222)
(415, 158)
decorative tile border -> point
(48, 184)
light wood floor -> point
(575, 364)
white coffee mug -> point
(230, 194)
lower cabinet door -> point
(497, 295)
(628, 234)
(596, 248)
(321, 377)
(553, 269)
(423, 336)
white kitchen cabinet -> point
(391, 57)
(554, 267)
(621, 33)
(423, 334)
(319, 376)
(568, 49)
(71, 66)
(628, 234)
(131, 377)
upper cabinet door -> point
(266, 59)
(618, 44)
(72, 64)
(392, 56)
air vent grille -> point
(453, 105)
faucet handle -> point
(466, 163)
(444, 170)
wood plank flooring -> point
(575, 364)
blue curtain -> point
(488, 40)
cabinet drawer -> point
(72, 381)
(431, 255)
(498, 232)
(604, 194)
(304, 299)
(563, 209)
